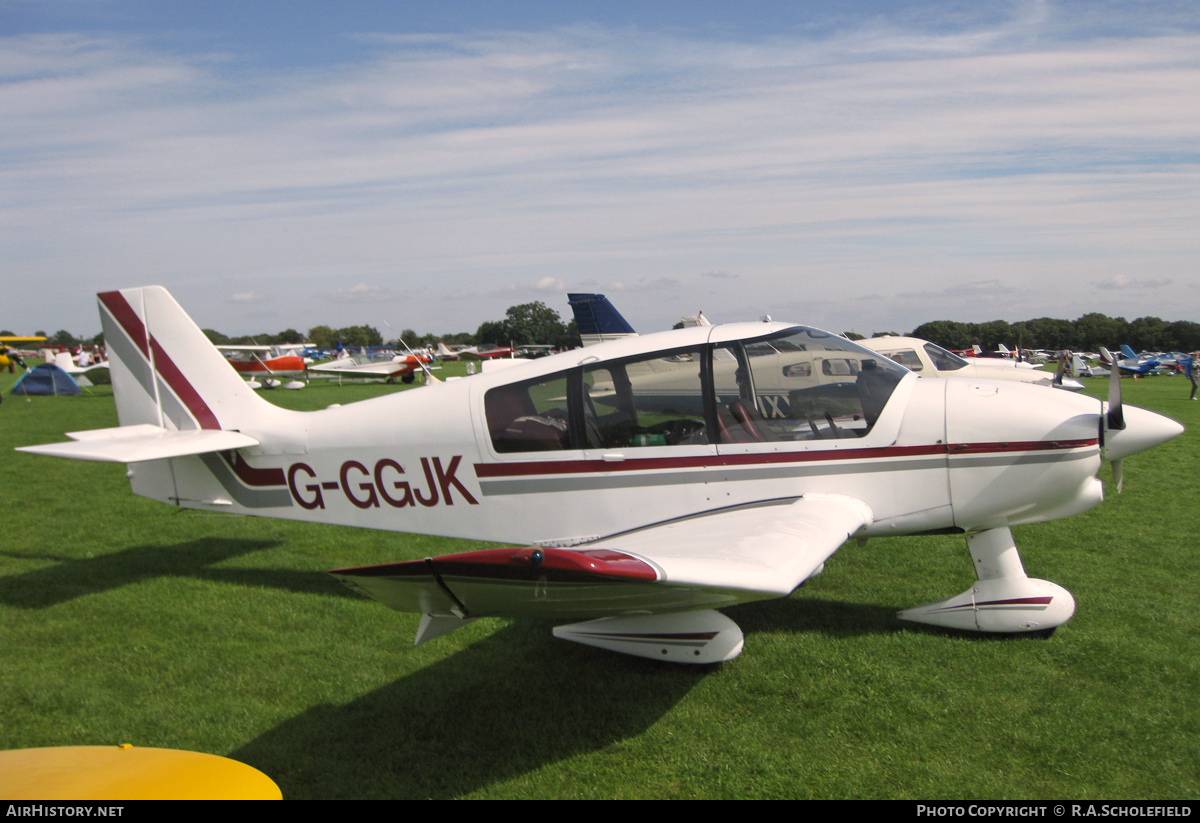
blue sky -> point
(855, 166)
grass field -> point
(124, 620)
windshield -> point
(942, 359)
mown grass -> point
(124, 620)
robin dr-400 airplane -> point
(648, 481)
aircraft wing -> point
(133, 444)
(389, 369)
(706, 561)
(770, 548)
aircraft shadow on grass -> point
(505, 706)
(72, 577)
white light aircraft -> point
(636, 512)
(270, 363)
(401, 366)
(931, 360)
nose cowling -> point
(1143, 430)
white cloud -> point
(1121, 281)
(362, 293)
(248, 297)
(875, 160)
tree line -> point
(1088, 333)
(534, 323)
(526, 324)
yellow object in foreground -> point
(127, 772)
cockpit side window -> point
(812, 386)
(651, 401)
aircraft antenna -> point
(428, 374)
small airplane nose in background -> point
(1143, 430)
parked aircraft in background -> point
(637, 518)
(597, 319)
(8, 356)
(1132, 363)
(931, 360)
(268, 365)
(85, 376)
(1002, 356)
(486, 351)
(444, 353)
(402, 367)
(1079, 368)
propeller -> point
(1114, 420)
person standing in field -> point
(1193, 373)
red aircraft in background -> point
(267, 365)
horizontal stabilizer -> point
(133, 444)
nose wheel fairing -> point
(1004, 600)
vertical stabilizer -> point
(597, 319)
(165, 372)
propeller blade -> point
(1116, 414)
(1118, 474)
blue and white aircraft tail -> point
(1130, 361)
(597, 319)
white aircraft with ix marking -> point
(644, 481)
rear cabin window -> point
(530, 416)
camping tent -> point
(46, 379)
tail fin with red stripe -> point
(165, 372)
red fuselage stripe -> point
(252, 476)
(544, 467)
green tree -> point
(323, 337)
(62, 337)
(949, 334)
(532, 323)
(1148, 334)
(1184, 335)
(492, 331)
(289, 336)
(1095, 330)
(359, 336)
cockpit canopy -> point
(797, 384)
